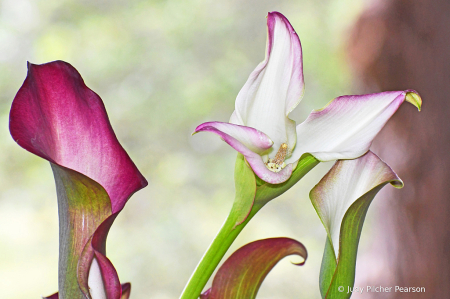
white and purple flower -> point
(272, 143)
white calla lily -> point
(260, 127)
(345, 183)
(342, 199)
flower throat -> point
(277, 164)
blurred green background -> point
(162, 68)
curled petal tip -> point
(414, 98)
(397, 183)
(244, 271)
(251, 138)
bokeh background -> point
(162, 67)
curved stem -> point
(228, 233)
(215, 253)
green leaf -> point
(244, 271)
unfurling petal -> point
(345, 128)
(275, 87)
(347, 181)
(57, 117)
(341, 200)
(244, 271)
(252, 138)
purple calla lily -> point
(260, 127)
(57, 117)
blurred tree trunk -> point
(395, 45)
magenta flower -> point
(260, 127)
(57, 117)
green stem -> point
(215, 253)
(248, 192)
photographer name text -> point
(381, 289)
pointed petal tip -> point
(252, 138)
(274, 13)
(414, 98)
(205, 294)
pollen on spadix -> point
(277, 163)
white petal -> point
(275, 87)
(345, 128)
(95, 282)
(347, 181)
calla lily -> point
(58, 118)
(244, 271)
(272, 144)
(341, 200)
(274, 152)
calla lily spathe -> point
(272, 143)
(58, 118)
(342, 199)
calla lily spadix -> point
(57, 117)
(260, 127)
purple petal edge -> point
(296, 87)
(250, 137)
(254, 160)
